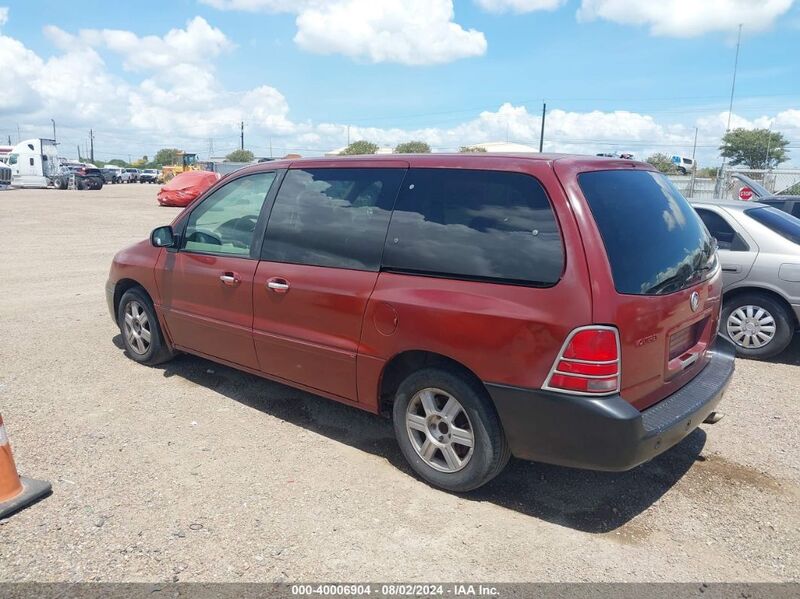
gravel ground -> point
(196, 472)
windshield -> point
(779, 221)
(12, 158)
(655, 242)
(757, 188)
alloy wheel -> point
(440, 430)
(137, 328)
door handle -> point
(231, 279)
(278, 285)
(731, 268)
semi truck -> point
(34, 163)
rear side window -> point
(475, 225)
(332, 217)
(721, 230)
(782, 223)
(654, 240)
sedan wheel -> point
(751, 327)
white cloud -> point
(413, 32)
(686, 18)
(519, 6)
(3, 15)
(195, 44)
(410, 32)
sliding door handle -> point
(278, 285)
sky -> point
(303, 75)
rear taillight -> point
(588, 363)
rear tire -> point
(141, 332)
(437, 414)
(759, 326)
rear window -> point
(779, 221)
(484, 225)
(654, 240)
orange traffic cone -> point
(16, 492)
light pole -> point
(718, 186)
(54, 129)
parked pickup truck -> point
(129, 175)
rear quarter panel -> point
(505, 334)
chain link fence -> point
(777, 181)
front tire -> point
(141, 333)
(758, 325)
(448, 430)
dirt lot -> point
(193, 471)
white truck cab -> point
(34, 163)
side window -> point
(225, 222)
(475, 225)
(31, 161)
(796, 209)
(727, 238)
(332, 217)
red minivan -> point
(562, 309)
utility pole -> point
(730, 106)
(9, 139)
(769, 140)
(54, 129)
(19, 137)
(541, 134)
(91, 146)
(694, 164)
(348, 135)
(79, 152)
(733, 84)
(242, 145)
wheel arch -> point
(401, 365)
(124, 285)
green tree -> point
(118, 162)
(662, 162)
(167, 156)
(360, 147)
(755, 148)
(240, 156)
(412, 147)
(471, 149)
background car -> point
(109, 175)
(759, 247)
(129, 175)
(112, 174)
(87, 177)
(184, 188)
(683, 164)
(759, 193)
(149, 175)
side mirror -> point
(163, 237)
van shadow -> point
(593, 502)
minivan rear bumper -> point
(608, 433)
